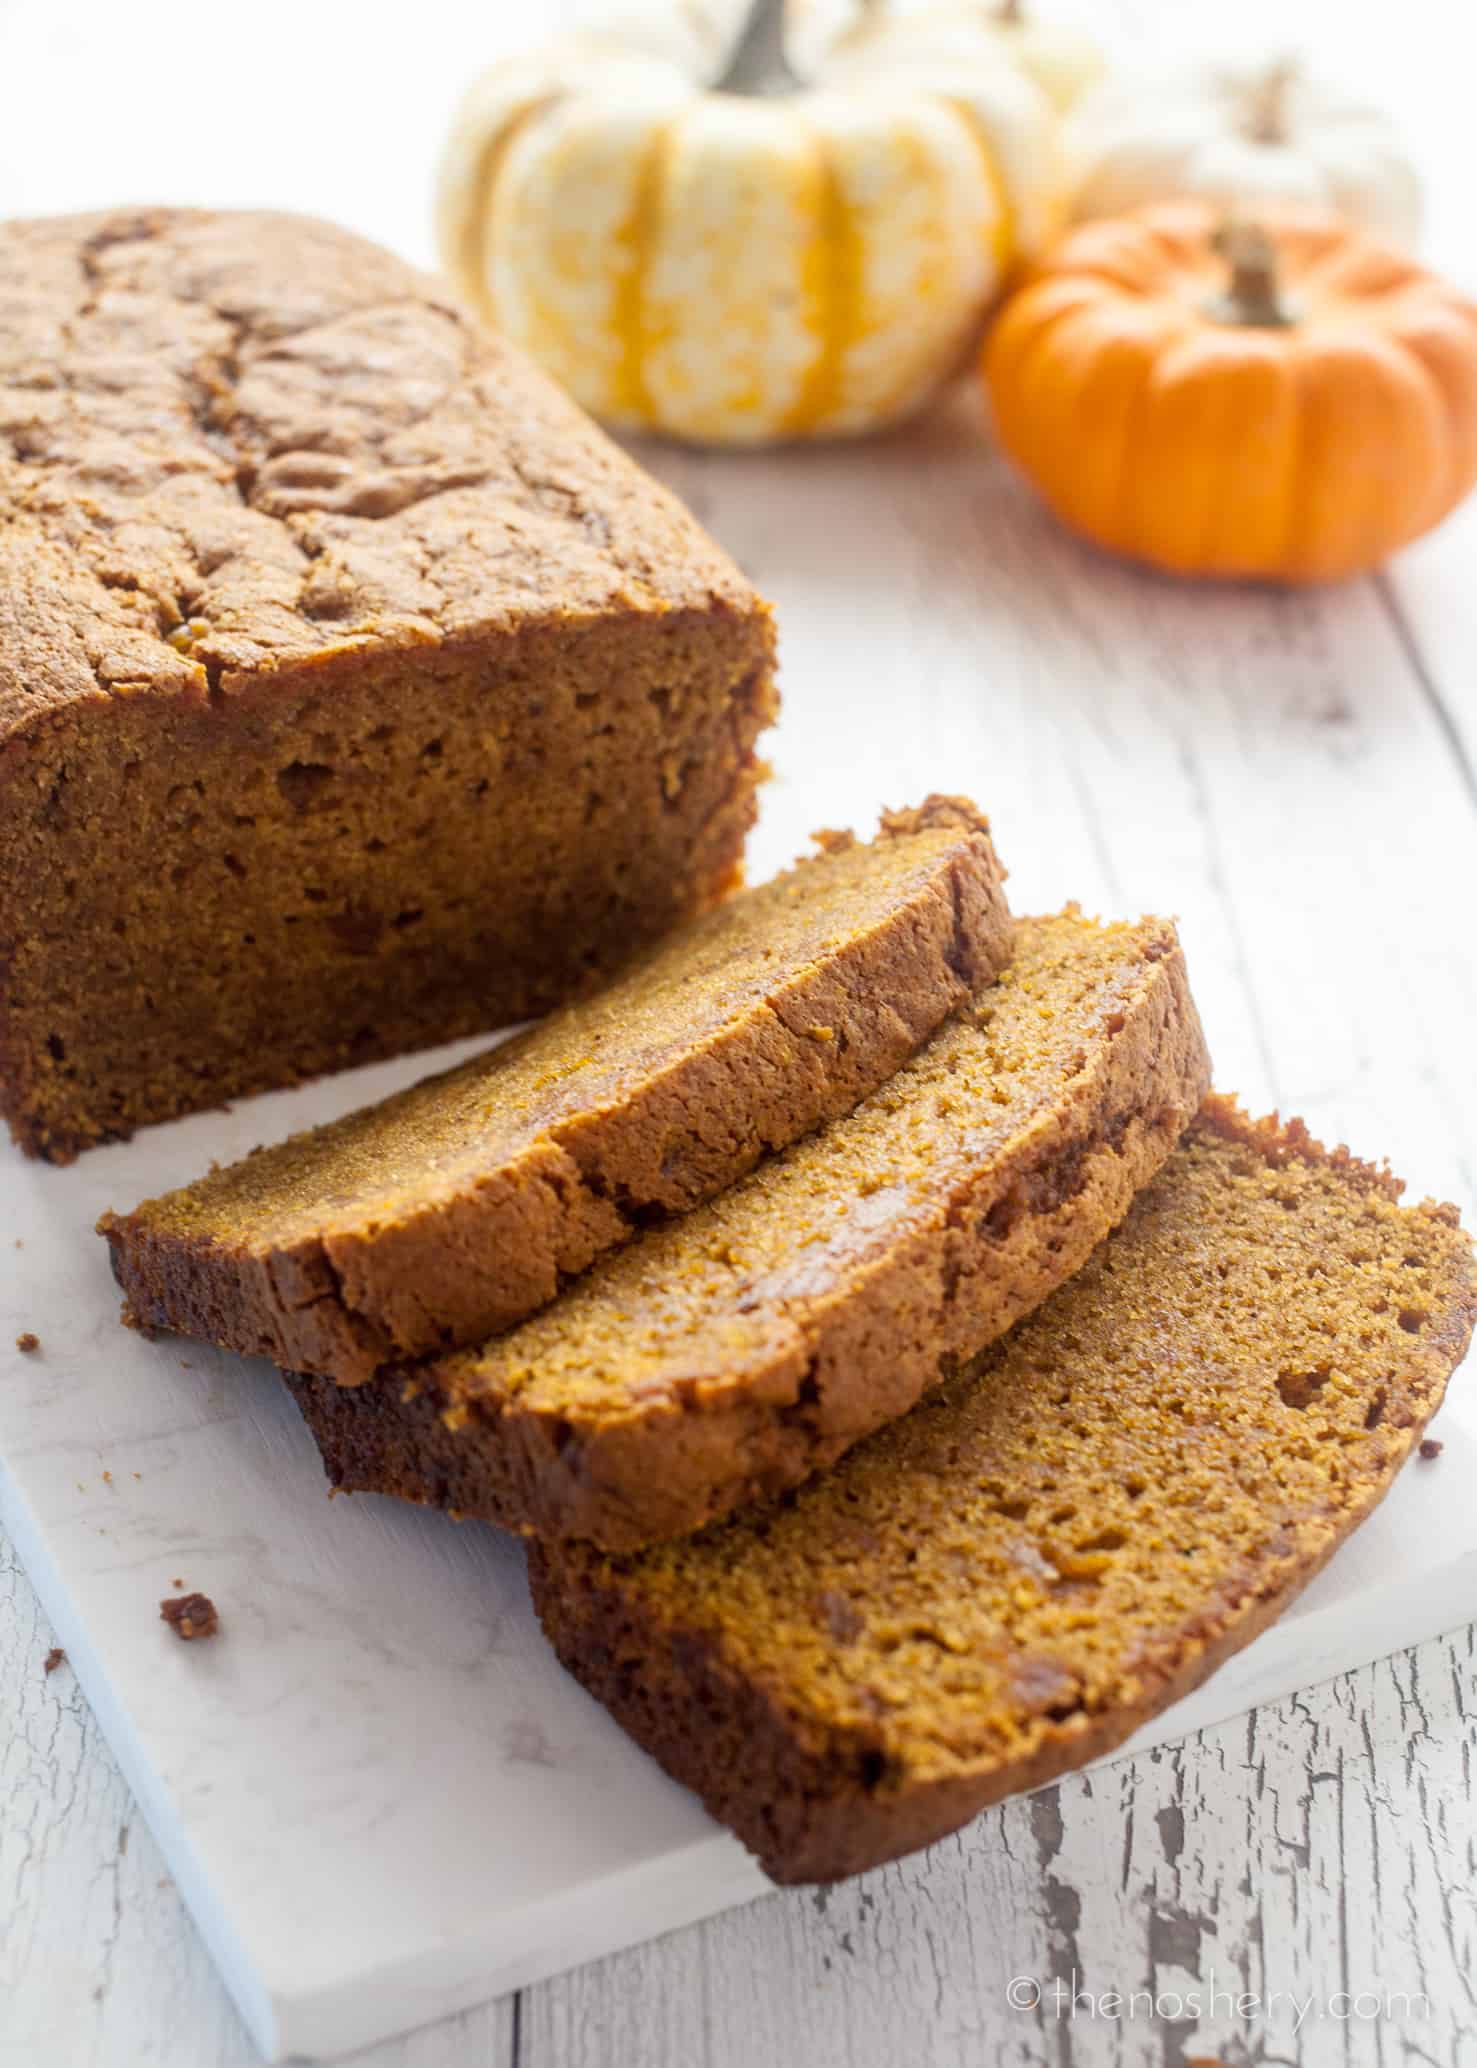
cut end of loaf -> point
(360, 862)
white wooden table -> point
(1293, 775)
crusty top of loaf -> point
(231, 443)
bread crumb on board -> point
(27, 1341)
(190, 1615)
(53, 1659)
(1431, 1447)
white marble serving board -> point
(382, 1797)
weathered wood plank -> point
(1323, 1845)
(99, 1961)
(1328, 1843)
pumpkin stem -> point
(759, 67)
(1265, 118)
(1252, 295)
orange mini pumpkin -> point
(1289, 399)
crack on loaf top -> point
(264, 426)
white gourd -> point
(1240, 131)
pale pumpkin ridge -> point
(634, 242)
(1003, 230)
(831, 282)
(468, 256)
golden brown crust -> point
(282, 439)
(355, 691)
(457, 1208)
(732, 1354)
(1063, 1541)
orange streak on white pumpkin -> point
(635, 242)
(831, 285)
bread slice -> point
(732, 1353)
(459, 1207)
(1070, 1535)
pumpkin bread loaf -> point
(1064, 1539)
(355, 692)
(459, 1206)
(731, 1353)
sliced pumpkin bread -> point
(730, 1354)
(459, 1206)
(1067, 1537)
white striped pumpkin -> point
(737, 268)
